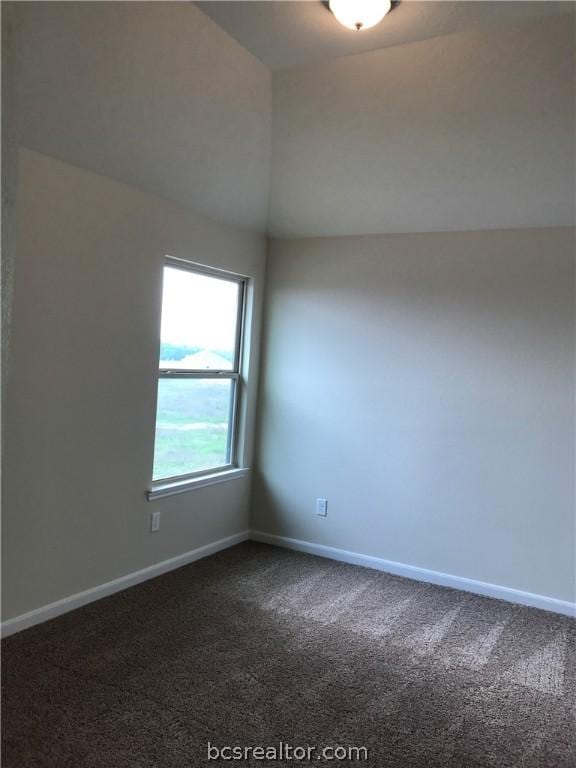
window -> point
(199, 373)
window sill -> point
(183, 486)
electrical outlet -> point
(322, 507)
(155, 522)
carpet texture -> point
(258, 645)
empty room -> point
(288, 384)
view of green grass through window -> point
(194, 409)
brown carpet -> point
(258, 645)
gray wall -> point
(468, 131)
(391, 360)
(424, 384)
(159, 97)
(153, 94)
(81, 386)
(9, 169)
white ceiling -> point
(299, 33)
(468, 130)
(152, 94)
(474, 130)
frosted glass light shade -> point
(360, 14)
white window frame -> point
(179, 483)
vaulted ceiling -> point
(473, 130)
(154, 94)
(271, 116)
(284, 35)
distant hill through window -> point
(204, 359)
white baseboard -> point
(50, 611)
(421, 574)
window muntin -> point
(199, 372)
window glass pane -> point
(192, 425)
(199, 321)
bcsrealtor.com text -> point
(286, 752)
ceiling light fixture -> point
(359, 14)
